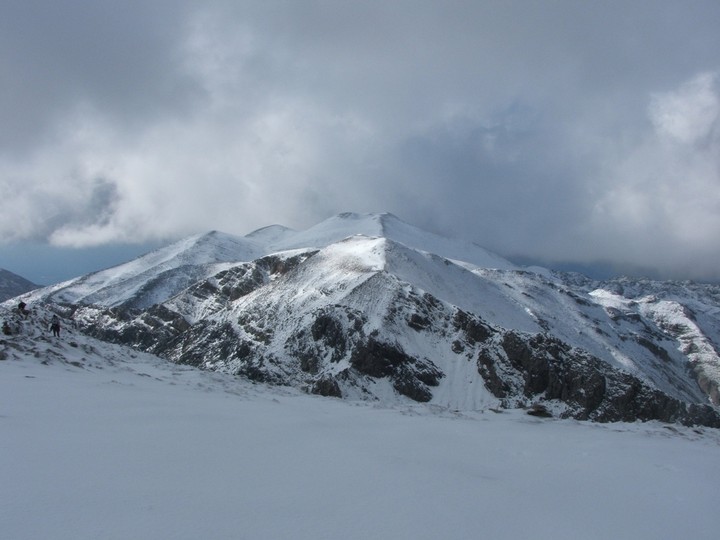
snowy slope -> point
(99, 441)
(630, 339)
(678, 321)
(389, 226)
(156, 276)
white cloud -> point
(690, 114)
(287, 162)
(661, 204)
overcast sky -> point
(568, 130)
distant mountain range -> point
(370, 307)
(12, 285)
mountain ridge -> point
(390, 312)
(149, 278)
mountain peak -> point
(270, 233)
(157, 275)
(331, 230)
(387, 225)
(12, 285)
(163, 272)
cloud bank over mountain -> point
(560, 131)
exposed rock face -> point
(542, 368)
(410, 376)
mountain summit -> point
(365, 306)
(391, 227)
(160, 274)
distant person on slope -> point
(55, 326)
(21, 309)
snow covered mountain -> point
(12, 285)
(369, 307)
(154, 277)
(157, 276)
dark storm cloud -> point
(559, 129)
(118, 57)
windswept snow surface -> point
(97, 441)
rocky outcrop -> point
(410, 376)
(521, 368)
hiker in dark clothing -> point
(55, 326)
(21, 309)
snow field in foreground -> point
(131, 447)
